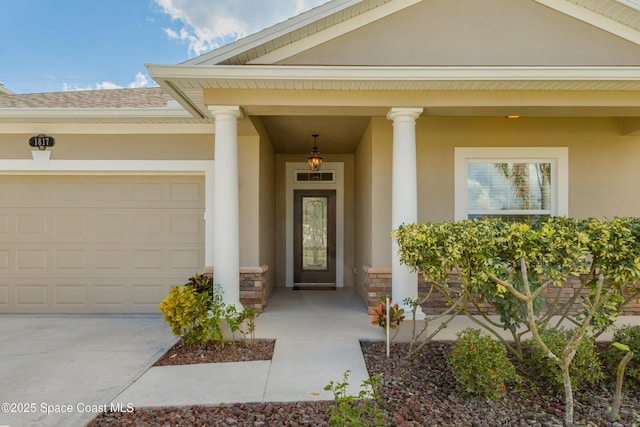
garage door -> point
(97, 244)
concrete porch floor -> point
(315, 314)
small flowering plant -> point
(379, 317)
(480, 364)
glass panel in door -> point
(314, 237)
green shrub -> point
(629, 335)
(360, 410)
(480, 364)
(201, 283)
(584, 370)
(196, 312)
(187, 312)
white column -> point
(404, 197)
(226, 215)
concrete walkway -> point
(317, 337)
(64, 370)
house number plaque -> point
(42, 141)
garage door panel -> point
(147, 259)
(4, 226)
(147, 224)
(33, 192)
(142, 294)
(72, 259)
(97, 244)
(110, 259)
(4, 295)
(4, 261)
(183, 226)
(71, 191)
(33, 224)
(32, 260)
(113, 295)
(68, 294)
(148, 191)
(110, 226)
(110, 193)
(70, 225)
(59, 191)
(32, 294)
(185, 259)
(186, 191)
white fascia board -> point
(363, 73)
(96, 113)
(251, 41)
(631, 3)
(333, 32)
(594, 18)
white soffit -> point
(397, 78)
(188, 84)
(609, 15)
(631, 3)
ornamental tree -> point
(520, 269)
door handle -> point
(332, 255)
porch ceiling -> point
(337, 134)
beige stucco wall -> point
(267, 204)
(468, 32)
(363, 182)
(603, 174)
(381, 218)
(114, 146)
(603, 171)
(348, 161)
(249, 183)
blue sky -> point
(58, 45)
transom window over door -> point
(514, 183)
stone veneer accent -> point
(378, 284)
(253, 289)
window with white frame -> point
(512, 183)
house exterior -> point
(414, 103)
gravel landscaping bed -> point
(417, 392)
(181, 354)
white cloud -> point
(205, 24)
(139, 81)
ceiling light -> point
(314, 160)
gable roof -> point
(625, 12)
(4, 90)
(339, 17)
(109, 98)
(258, 61)
(314, 26)
(138, 105)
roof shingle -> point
(154, 97)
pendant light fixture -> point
(314, 160)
